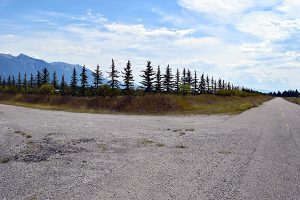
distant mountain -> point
(11, 65)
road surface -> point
(60, 155)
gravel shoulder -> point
(60, 155)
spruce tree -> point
(148, 77)
(212, 83)
(38, 79)
(219, 84)
(13, 82)
(84, 82)
(177, 81)
(128, 77)
(195, 82)
(54, 80)
(202, 85)
(19, 82)
(63, 85)
(4, 83)
(207, 84)
(168, 80)
(158, 81)
(97, 77)
(74, 81)
(223, 85)
(25, 84)
(113, 76)
(215, 86)
(9, 81)
(31, 81)
(45, 76)
(184, 76)
(189, 77)
(1, 83)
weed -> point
(4, 160)
(225, 152)
(182, 133)
(177, 130)
(180, 146)
(146, 141)
(189, 129)
(160, 145)
(103, 147)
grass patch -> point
(27, 135)
(190, 129)
(224, 152)
(103, 147)
(146, 141)
(180, 146)
(177, 130)
(4, 160)
(33, 197)
(294, 100)
(147, 104)
(160, 144)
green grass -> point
(148, 104)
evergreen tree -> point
(38, 79)
(45, 76)
(168, 80)
(97, 77)
(4, 82)
(189, 77)
(1, 83)
(84, 82)
(207, 85)
(219, 84)
(74, 81)
(202, 85)
(25, 85)
(128, 77)
(215, 87)
(31, 81)
(148, 77)
(19, 82)
(212, 84)
(113, 75)
(158, 81)
(195, 82)
(184, 76)
(13, 82)
(63, 85)
(9, 81)
(54, 80)
(177, 82)
(223, 84)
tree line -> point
(153, 81)
(289, 93)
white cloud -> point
(268, 26)
(140, 30)
(217, 7)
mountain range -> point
(11, 65)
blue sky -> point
(249, 42)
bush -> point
(46, 89)
(10, 89)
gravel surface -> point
(60, 155)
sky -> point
(252, 43)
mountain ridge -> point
(11, 66)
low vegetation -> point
(294, 100)
(145, 104)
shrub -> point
(46, 89)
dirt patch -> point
(37, 151)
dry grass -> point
(148, 104)
(294, 100)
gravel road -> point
(60, 155)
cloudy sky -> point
(254, 43)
